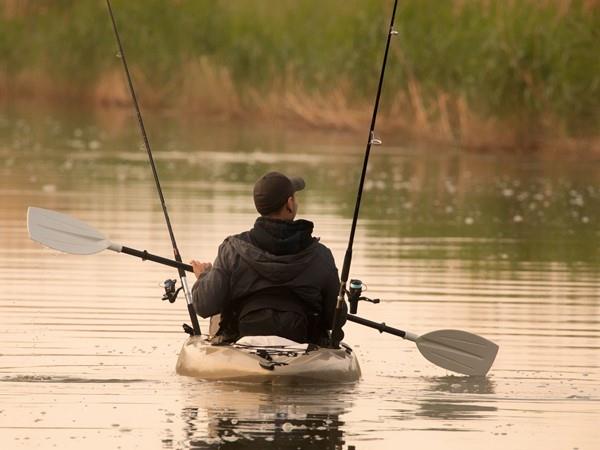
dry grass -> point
(110, 90)
(209, 90)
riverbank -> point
(482, 74)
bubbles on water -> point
(76, 144)
(375, 184)
(577, 200)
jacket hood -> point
(281, 237)
(275, 268)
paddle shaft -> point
(382, 327)
(370, 141)
(144, 255)
(182, 276)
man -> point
(275, 279)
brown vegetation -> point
(447, 120)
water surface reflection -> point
(235, 415)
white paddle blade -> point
(458, 351)
(64, 233)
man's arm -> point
(210, 293)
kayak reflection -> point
(235, 415)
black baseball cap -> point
(272, 190)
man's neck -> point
(288, 217)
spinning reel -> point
(171, 295)
(170, 291)
(354, 295)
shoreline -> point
(450, 124)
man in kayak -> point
(276, 279)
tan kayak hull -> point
(201, 360)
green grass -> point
(510, 60)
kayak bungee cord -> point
(169, 285)
(370, 141)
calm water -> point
(503, 245)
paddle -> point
(455, 350)
(67, 234)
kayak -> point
(267, 359)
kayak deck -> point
(288, 362)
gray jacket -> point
(242, 270)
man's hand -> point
(200, 267)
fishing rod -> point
(182, 276)
(336, 331)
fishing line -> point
(182, 276)
(370, 141)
